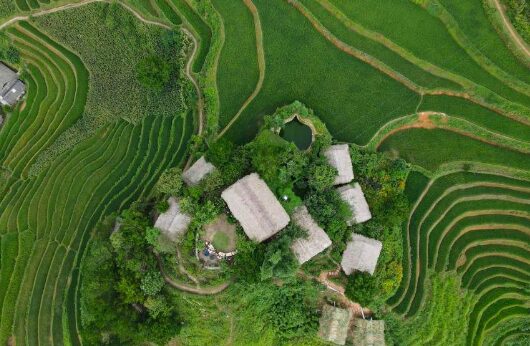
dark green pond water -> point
(298, 133)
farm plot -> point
(237, 73)
(410, 80)
(353, 98)
(441, 146)
(64, 88)
(46, 217)
(116, 166)
(427, 37)
(477, 225)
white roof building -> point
(200, 169)
(173, 222)
(354, 197)
(361, 254)
(255, 207)
(317, 240)
(339, 157)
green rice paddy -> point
(358, 64)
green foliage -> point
(321, 176)
(152, 284)
(289, 309)
(519, 13)
(445, 312)
(170, 182)
(153, 72)
(279, 260)
(362, 288)
(122, 289)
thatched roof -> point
(339, 157)
(254, 205)
(334, 324)
(361, 254)
(354, 196)
(173, 222)
(317, 240)
(368, 332)
(200, 169)
(11, 88)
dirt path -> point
(356, 309)
(191, 76)
(187, 288)
(511, 30)
(261, 65)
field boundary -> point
(261, 66)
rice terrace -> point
(265, 172)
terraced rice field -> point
(432, 83)
(46, 218)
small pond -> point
(298, 133)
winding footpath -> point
(511, 30)
(187, 288)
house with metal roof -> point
(11, 88)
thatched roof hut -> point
(368, 332)
(173, 222)
(354, 197)
(317, 240)
(200, 169)
(334, 324)
(339, 157)
(255, 207)
(361, 254)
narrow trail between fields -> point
(187, 288)
(261, 65)
(511, 30)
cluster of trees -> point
(383, 181)
(162, 68)
(123, 294)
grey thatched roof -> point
(354, 197)
(317, 240)
(255, 207)
(173, 222)
(361, 254)
(339, 157)
(334, 324)
(200, 169)
(368, 332)
(11, 88)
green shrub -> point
(153, 72)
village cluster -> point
(261, 216)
